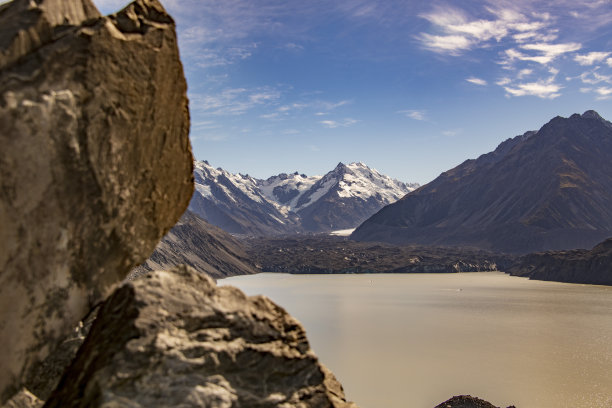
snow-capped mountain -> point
(347, 196)
(292, 203)
(235, 203)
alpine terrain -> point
(292, 203)
(543, 190)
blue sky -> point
(411, 88)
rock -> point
(466, 401)
(175, 339)
(44, 376)
(204, 247)
(23, 399)
(95, 161)
(576, 266)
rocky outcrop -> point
(577, 266)
(95, 161)
(466, 401)
(175, 339)
(545, 190)
(204, 247)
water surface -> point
(415, 340)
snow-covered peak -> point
(286, 189)
(291, 193)
(205, 174)
(361, 181)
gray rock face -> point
(175, 339)
(96, 164)
(204, 247)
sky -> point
(411, 88)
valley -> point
(117, 245)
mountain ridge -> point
(293, 203)
(538, 191)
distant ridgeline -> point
(543, 190)
(292, 203)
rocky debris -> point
(175, 339)
(24, 399)
(204, 247)
(96, 163)
(576, 266)
(545, 190)
(328, 254)
(466, 401)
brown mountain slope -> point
(543, 190)
(204, 247)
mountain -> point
(574, 266)
(204, 247)
(543, 190)
(292, 203)
(347, 196)
(235, 203)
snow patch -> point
(343, 233)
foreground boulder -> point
(95, 163)
(175, 339)
(466, 401)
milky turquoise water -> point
(414, 340)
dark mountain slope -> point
(539, 191)
(204, 247)
(576, 266)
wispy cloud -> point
(526, 36)
(524, 73)
(451, 133)
(233, 101)
(273, 115)
(476, 81)
(210, 57)
(591, 58)
(415, 114)
(332, 124)
(593, 78)
(603, 93)
(541, 89)
(459, 32)
(293, 46)
(545, 52)
(450, 44)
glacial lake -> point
(415, 340)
